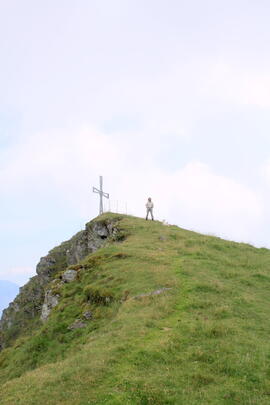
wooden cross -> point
(101, 194)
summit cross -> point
(101, 194)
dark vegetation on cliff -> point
(156, 315)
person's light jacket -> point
(149, 205)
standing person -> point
(149, 208)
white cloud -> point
(57, 154)
(218, 204)
(265, 172)
(18, 275)
(67, 164)
(196, 198)
(237, 84)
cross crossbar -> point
(101, 194)
(95, 190)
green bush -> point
(120, 236)
(75, 267)
(93, 261)
(98, 296)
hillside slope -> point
(158, 315)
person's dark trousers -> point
(151, 212)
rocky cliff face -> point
(33, 301)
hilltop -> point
(134, 312)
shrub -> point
(120, 236)
(93, 261)
(75, 267)
(100, 296)
(120, 255)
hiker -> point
(149, 208)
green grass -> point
(204, 341)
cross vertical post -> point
(101, 194)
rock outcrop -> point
(77, 324)
(35, 300)
(69, 275)
(50, 301)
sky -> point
(164, 99)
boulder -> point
(69, 275)
(88, 315)
(50, 301)
(78, 324)
(156, 292)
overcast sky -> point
(168, 99)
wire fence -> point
(119, 207)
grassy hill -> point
(204, 339)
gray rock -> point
(46, 268)
(78, 324)
(89, 241)
(69, 275)
(57, 282)
(156, 292)
(101, 230)
(88, 315)
(51, 300)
